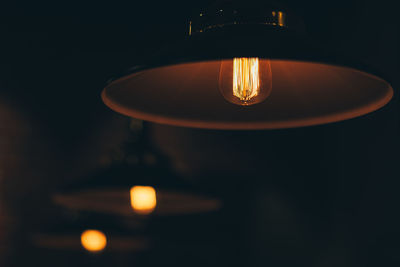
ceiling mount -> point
(229, 16)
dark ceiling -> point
(316, 196)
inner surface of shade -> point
(302, 94)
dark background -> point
(316, 196)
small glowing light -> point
(93, 240)
(143, 199)
(281, 19)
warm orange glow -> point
(245, 81)
(93, 240)
(281, 19)
(143, 199)
(246, 78)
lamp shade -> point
(311, 85)
(109, 192)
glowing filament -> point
(93, 240)
(143, 199)
(246, 78)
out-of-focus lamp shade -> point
(68, 239)
(247, 70)
(114, 192)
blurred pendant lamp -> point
(94, 237)
(137, 184)
(246, 65)
(136, 193)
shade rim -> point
(255, 125)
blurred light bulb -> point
(93, 240)
(245, 81)
(143, 199)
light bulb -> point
(245, 81)
(143, 199)
(93, 240)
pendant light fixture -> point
(133, 192)
(138, 184)
(91, 236)
(247, 65)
